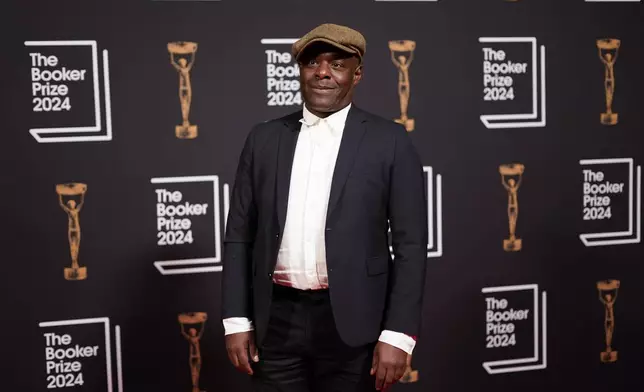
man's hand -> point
(241, 347)
(388, 365)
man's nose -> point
(323, 70)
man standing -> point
(312, 300)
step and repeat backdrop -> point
(124, 121)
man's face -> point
(327, 77)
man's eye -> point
(336, 65)
(312, 62)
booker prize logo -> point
(78, 354)
(66, 103)
(608, 49)
(511, 177)
(434, 214)
(182, 58)
(608, 295)
(611, 201)
(402, 54)
(193, 326)
(515, 329)
(514, 82)
(71, 197)
(189, 224)
(282, 73)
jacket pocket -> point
(377, 265)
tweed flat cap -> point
(341, 37)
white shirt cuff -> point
(399, 340)
(237, 325)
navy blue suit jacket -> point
(378, 181)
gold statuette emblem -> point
(195, 324)
(511, 176)
(608, 49)
(182, 58)
(71, 198)
(402, 54)
(608, 295)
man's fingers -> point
(381, 374)
(399, 372)
(244, 365)
(232, 356)
(252, 350)
(374, 363)
(241, 347)
(389, 378)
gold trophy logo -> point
(410, 374)
(182, 58)
(607, 295)
(511, 176)
(71, 197)
(402, 54)
(195, 324)
(608, 48)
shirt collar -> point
(336, 121)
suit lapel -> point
(351, 137)
(285, 153)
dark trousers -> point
(302, 351)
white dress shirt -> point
(301, 261)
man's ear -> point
(357, 75)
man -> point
(312, 300)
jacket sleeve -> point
(241, 227)
(407, 213)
